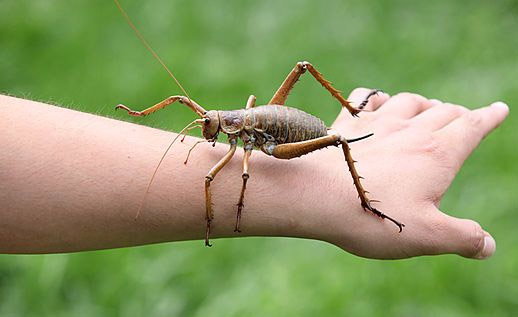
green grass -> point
(82, 55)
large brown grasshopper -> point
(277, 130)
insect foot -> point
(130, 112)
(366, 100)
(207, 234)
(367, 206)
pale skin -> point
(71, 181)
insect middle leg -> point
(245, 176)
(280, 96)
(208, 179)
(250, 102)
(292, 150)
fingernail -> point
(488, 249)
(500, 105)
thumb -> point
(464, 237)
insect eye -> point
(207, 120)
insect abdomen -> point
(285, 124)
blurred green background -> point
(83, 55)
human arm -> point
(73, 181)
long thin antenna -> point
(145, 43)
(159, 163)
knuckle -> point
(394, 124)
(462, 109)
(456, 109)
(411, 96)
(412, 100)
(433, 229)
(432, 147)
(472, 119)
(360, 91)
(475, 241)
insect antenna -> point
(155, 55)
(160, 162)
(149, 48)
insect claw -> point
(366, 205)
(207, 234)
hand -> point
(418, 146)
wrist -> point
(312, 200)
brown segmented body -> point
(286, 124)
(275, 123)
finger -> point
(466, 132)
(435, 102)
(405, 105)
(438, 116)
(357, 96)
(463, 237)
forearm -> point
(73, 181)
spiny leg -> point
(366, 100)
(208, 179)
(164, 103)
(279, 98)
(292, 150)
(362, 193)
(250, 102)
(245, 176)
(334, 92)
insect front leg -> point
(209, 178)
(164, 103)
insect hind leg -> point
(362, 193)
(280, 96)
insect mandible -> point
(277, 130)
